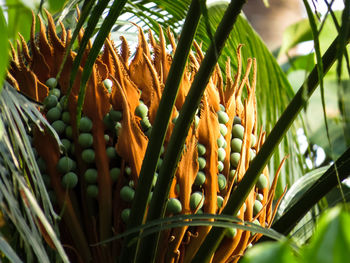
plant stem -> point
(238, 196)
(158, 134)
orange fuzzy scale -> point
(95, 209)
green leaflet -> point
(3, 47)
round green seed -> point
(85, 124)
(66, 117)
(69, 180)
(255, 222)
(220, 201)
(221, 141)
(53, 114)
(141, 110)
(174, 206)
(115, 173)
(127, 193)
(115, 115)
(111, 152)
(201, 149)
(222, 107)
(127, 170)
(262, 182)
(108, 122)
(252, 155)
(88, 156)
(230, 232)
(223, 129)
(196, 121)
(231, 175)
(90, 176)
(221, 182)
(118, 128)
(51, 83)
(221, 154)
(55, 92)
(66, 144)
(145, 123)
(50, 101)
(238, 131)
(260, 197)
(223, 117)
(59, 126)
(234, 159)
(85, 140)
(237, 120)
(65, 165)
(92, 190)
(200, 178)
(236, 145)
(69, 132)
(220, 166)
(202, 162)
(196, 201)
(64, 102)
(106, 136)
(108, 85)
(125, 215)
(257, 207)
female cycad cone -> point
(107, 149)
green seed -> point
(111, 152)
(220, 166)
(252, 155)
(174, 119)
(196, 201)
(220, 201)
(230, 232)
(85, 140)
(41, 164)
(92, 190)
(231, 175)
(55, 92)
(50, 101)
(51, 83)
(222, 116)
(196, 121)
(221, 154)
(127, 193)
(252, 140)
(145, 123)
(127, 170)
(108, 85)
(222, 107)
(88, 156)
(257, 207)
(115, 173)
(125, 215)
(66, 117)
(237, 120)
(118, 128)
(59, 126)
(66, 144)
(200, 178)
(132, 183)
(69, 132)
(69, 180)
(174, 206)
(260, 197)
(141, 110)
(115, 115)
(201, 149)
(85, 124)
(221, 182)
(223, 129)
(262, 182)
(65, 165)
(236, 145)
(255, 222)
(202, 163)
(90, 176)
(234, 159)
(108, 122)
(155, 178)
(106, 136)
(221, 141)
(159, 164)
(53, 114)
(238, 131)
(64, 102)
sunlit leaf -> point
(3, 47)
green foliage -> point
(3, 47)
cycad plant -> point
(148, 155)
